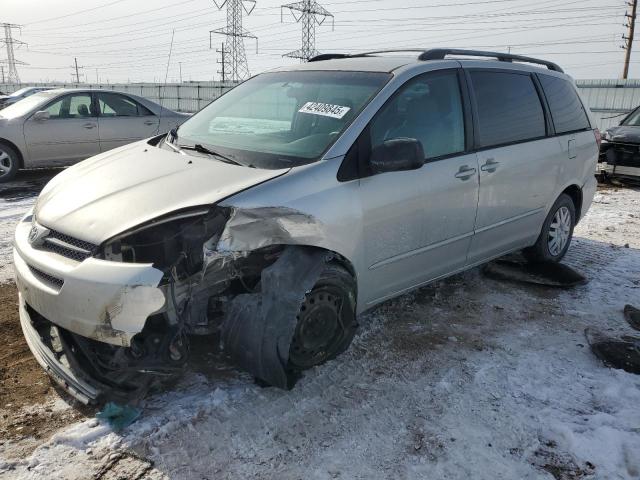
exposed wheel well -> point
(15, 147)
(575, 192)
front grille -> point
(53, 282)
(68, 246)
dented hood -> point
(120, 189)
(625, 134)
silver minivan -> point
(299, 199)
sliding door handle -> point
(491, 166)
(465, 172)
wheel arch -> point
(575, 193)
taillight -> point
(598, 135)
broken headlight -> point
(175, 240)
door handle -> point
(465, 172)
(491, 166)
(149, 122)
(89, 125)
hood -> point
(624, 134)
(120, 189)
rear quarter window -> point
(567, 111)
(508, 108)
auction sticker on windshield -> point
(324, 109)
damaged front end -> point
(238, 274)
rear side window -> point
(566, 108)
(509, 108)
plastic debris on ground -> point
(119, 416)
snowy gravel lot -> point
(467, 378)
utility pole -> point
(77, 69)
(628, 38)
(180, 65)
(310, 13)
(11, 61)
(2, 70)
(234, 60)
(222, 62)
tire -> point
(9, 163)
(326, 321)
(556, 234)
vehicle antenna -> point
(166, 76)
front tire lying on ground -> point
(556, 234)
(9, 163)
(326, 321)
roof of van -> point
(388, 61)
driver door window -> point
(429, 109)
(71, 106)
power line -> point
(310, 13)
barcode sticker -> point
(324, 109)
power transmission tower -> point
(234, 60)
(310, 13)
(9, 41)
(77, 69)
(628, 38)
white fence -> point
(609, 100)
(181, 97)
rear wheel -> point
(326, 321)
(9, 163)
(556, 234)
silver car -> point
(293, 203)
(10, 99)
(63, 126)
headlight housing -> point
(174, 240)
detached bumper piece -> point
(41, 345)
(92, 371)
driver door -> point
(418, 224)
(69, 135)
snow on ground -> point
(468, 378)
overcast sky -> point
(121, 40)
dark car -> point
(620, 149)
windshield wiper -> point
(202, 149)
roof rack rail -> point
(441, 53)
(328, 56)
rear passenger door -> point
(123, 120)
(519, 161)
(572, 128)
(418, 224)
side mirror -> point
(41, 116)
(397, 154)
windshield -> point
(632, 120)
(282, 119)
(26, 105)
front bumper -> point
(81, 389)
(102, 300)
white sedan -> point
(61, 127)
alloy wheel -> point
(559, 231)
(5, 163)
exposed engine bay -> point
(220, 278)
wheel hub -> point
(5, 163)
(319, 328)
(559, 231)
